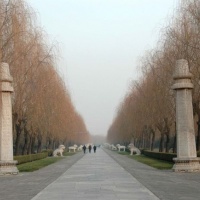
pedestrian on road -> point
(94, 147)
(90, 147)
(84, 148)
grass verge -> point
(156, 163)
(35, 165)
(69, 153)
(123, 152)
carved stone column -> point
(7, 164)
(186, 160)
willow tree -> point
(43, 112)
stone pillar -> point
(186, 160)
(7, 164)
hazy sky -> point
(101, 42)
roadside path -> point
(165, 184)
(27, 184)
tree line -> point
(147, 113)
(43, 113)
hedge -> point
(30, 157)
(160, 155)
(49, 151)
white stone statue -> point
(132, 148)
(120, 147)
(80, 148)
(113, 147)
(107, 145)
(60, 150)
(73, 148)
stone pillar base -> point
(186, 165)
(8, 167)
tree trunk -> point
(26, 138)
(196, 111)
(39, 147)
(161, 146)
(18, 137)
(174, 145)
(198, 135)
(152, 139)
(140, 142)
(50, 145)
(149, 139)
(167, 133)
(29, 145)
(54, 144)
(161, 130)
(57, 144)
(33, 145)
(167, 143)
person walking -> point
(90, 147)
(84, 148)
(94, 147)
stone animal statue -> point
(60, 150)
(80, 148)
(113, 147)
(132, 148)
(120, 147)
(107, 145)
(73, 148)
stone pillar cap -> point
(5, 78)
(182, 70)
(5, 73)
(182, 75)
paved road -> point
(104, 175)
(96, 176)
